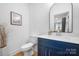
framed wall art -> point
(16, 19)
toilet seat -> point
(27, 47)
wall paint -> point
(16, 35)
(76, 19)
(39, 17)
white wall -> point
(76, 19)
(39, 17)
(16, 35)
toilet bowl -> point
(27, 48)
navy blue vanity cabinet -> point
(47, 47)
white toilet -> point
(27, 49)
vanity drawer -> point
(57, 47)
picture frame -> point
(16, 19)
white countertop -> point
(71, 39)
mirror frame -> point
(71, 18)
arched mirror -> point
(61, 17)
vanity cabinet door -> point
(47, 47)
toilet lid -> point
(27, 45)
